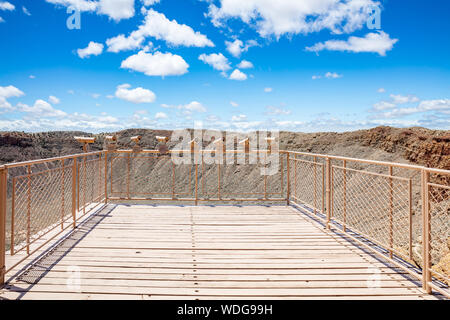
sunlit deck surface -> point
(207, 252)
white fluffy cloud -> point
(156, 64)
(271, 110)
(6, 6)
(238, 75)
(328, 75)
(437, 109)
(149, 2)
(217, 60)
(400, 99)
(268, 89)
(115, 9)
(332, 75)
(82, 5)
(396, 99)
(5, 93)
(381, 90)
(240, 117)
(136, 95)
(156, 25)
(244, 64)
(189, 108)
(293, 17)
(40, 108)
(237, 47)
(379, 42)
(383, 105)
(438, 105)
(122, 43)
(10, 91)
(234, 104)
(93, 48)
(54, 100)
(160, 115)
(195, 106)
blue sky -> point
(299, 65)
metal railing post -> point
(331, 192)
(426, 275)
(288, 178)
(410, 214)
(84, 185)
(74, 192)
(328, 191)
(323, 188)
(173, 181)
(265, 175)
(3, 184)
(128, 176)
(295, 177)
(63, 181)
(99, 177)
(196, 184)
(28, 208)
(106, 177)
(344, 225)
(218, 182)
(13, 213)
(315, 185)
(391, 213)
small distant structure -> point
(162, 144)
(111, 143)
(220, 145)
(136, 146)
(85, 141)
(192, 145)
(269, 141)
(246, 143)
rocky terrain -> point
(420, 146)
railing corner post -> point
(3, 197)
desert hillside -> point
(414, 145)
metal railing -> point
(397, 210)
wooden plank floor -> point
(207, 252)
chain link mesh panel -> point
(91, 182)
(41, 202)
(307, 181)
(41, 196)
(439, 204)
(375, 205)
